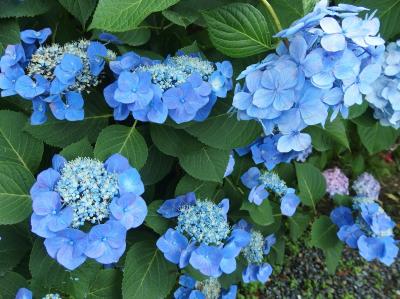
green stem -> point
(134, 124)
(273, 15)
(234, 186)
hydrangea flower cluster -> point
(367, 186)
(185, 87)
(262, 183)
(337, 183)
(265, 150)
(83, 208)
(203, 237)
(385, 95)
(52, 77)
(259, 247)
(367, 227)
(24, 293)
(332, 58)
(207, 289)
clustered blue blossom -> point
(203, 237)
(185, 87)
(337, 183)
(262, 183)
(384, 97)
(259, 247)
(208, 289)
(368, 228)
(83, 208)
(332, 59)
(367, 186)
(52, 77)
(24, 293)
(265, 150)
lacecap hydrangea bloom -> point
(84, 208)
(185, 87)
(210, 288)
(261, 184)
(367, 186)
(368, 228)
(265, 150)
(384, 97)
(202, 237)
(254, 254)
(332, 58)
(24, 293)
(337, 183)
(53, 77)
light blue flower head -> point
(367, 186)
(184, 87)
(84, 208)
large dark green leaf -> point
(202, 189)
(290, 10)
(26, 8)
(80, 9)
(377, 138)
(82, 148)
(157, 166)
(13, 247)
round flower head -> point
(52, 76)
(332, 58)
(367, 186)
(368, 228)
(84, 207)
(202, 237)
(185, 87)
(336, 182)
(262, 183)
(207, 289)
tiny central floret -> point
(88, 188)
(254, 251)
(205, 222)
(46, 58)
(273, 182)
(211, 288)
(176, 70)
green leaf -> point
(82, 148)
(157, 166)
(60, 133)
(124, 15)
(17, 146)
(202, 189)
(358, 110)
(311, 184)
(106, 285)
(298, 224)
(205, 163)
(337, 131)
(13, 247)
(9, 34)
(154, 220)
(388, 13)
(332, 257)
(15, 202)
(324, 138)
(147, 273)
(238, 30)
(225, 131)
(127, 141)
(82, 278)
(169, 140)
(135, 37)
(80, 9)
(262, 214)
(10, 283)
(26, 8)
(377, 137)
(179, 19)
(323, 233)
(291, 10)
(45, 271)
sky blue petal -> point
(130, 181)
(117, 163)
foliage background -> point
(173, 159)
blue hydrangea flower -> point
(368, 228)
(184, 87)
(202, 237)
(211, 288)
(367, 186)
(333, 57)
(84, 194)
(262, 184)
(46, 74)
(24, 293)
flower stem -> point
(273, 14)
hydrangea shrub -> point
(169, 149)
